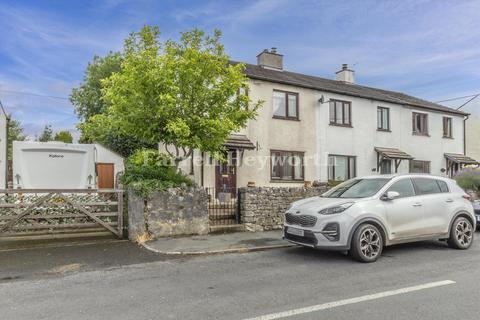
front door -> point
(106, 175)
(226, 175)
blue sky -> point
(430, 49)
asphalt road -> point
(129, 283)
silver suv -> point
(363, 215)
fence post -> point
(239, 207)
(120, 213)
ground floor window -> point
(418, 166)
(287, 165)
(341, 168)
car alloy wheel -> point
(370, 243)
(464, 233)
(461, 234)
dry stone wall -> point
(263, 208)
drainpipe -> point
(201, 169)
(6, 152)
(465, 134)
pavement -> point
(219, 243)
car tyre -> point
(461, 234)
(367, 243)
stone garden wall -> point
(170, 213)
(263, 208)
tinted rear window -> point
(443, 186)
(426, 186)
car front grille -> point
(301, 220)
(308, 237)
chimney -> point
(346, 75)
(270, 59)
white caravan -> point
(53, 165)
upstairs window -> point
(383, 119)
(420, 123)
(340, 113)
(285, 105)
(447, 127)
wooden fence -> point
(40, 212)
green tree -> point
(46, 135)
(87, 98)
(15, 133)
(64, 136)
(183, 94)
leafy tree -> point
(64, 136)
(87, 98)
(15, 133)
(184, 94)
(46, 135)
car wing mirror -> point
(390, 195)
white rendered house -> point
(315, 129)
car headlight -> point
(337, 209)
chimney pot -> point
(344, 66)
(273, 50)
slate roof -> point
(333, 86)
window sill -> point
(384, 130)
(285, 118)
(341, 125)
(286, 181)
(420, 134)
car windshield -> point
(357, 188)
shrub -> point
(469, 179)
(148, 170)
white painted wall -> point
(473, 128)
(363, 137)
(314, 135)
(3, 149)
(104, 155)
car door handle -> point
(449, 200)
(417, 204)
